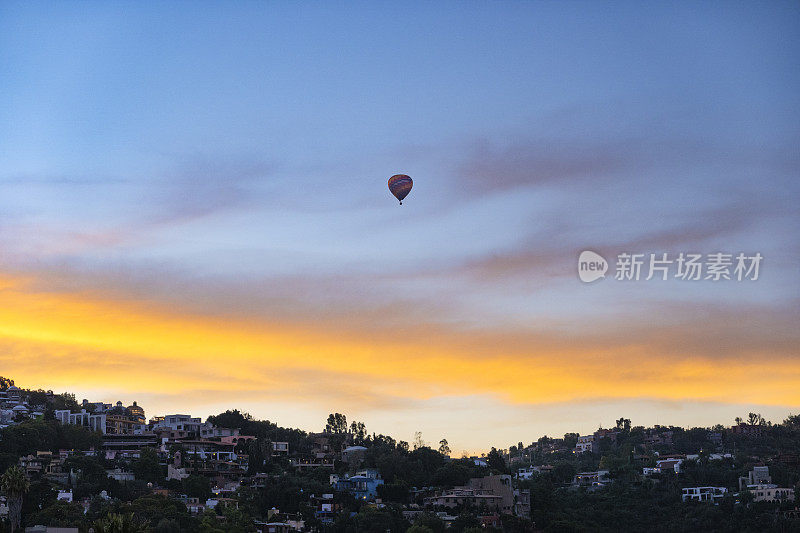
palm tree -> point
(15, 485)
(118, 523)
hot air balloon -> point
(400, 185)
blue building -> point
(363, 485)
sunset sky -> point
(194, 211)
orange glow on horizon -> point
(60, 339)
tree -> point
(5, 383)
(418, 442)
(65, 401)
(337, 423)
(197, 487)
(255, 451)
(464, 522)
(370, 520)
(430, 522)
(444, 448)
(755, 419)
(147, 468)
(15, 485)
(563, 472)
(152, 508)
(624, 424)
(37, 398)
(394, 492)
(119, 523)
(231, 419)
(496, 461)
(58, 513)
(792, 421)
(359, 431)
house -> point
(610, 434)
(703, 494)
(586, 443)
(210, 431)
(464, 496)
(176, 472)
(120, 475)
(325, 508)
(413, 513)
(277, 527)
(658, 436)
(136, 412)
(711, 456)
(479, 461)
(591, 479)
(321, 447)
(499, 485)
(747, 430)
(236, 439)
(230, 503)
(91, 421)
(770, 492)
(32, 465)
(280, 449)
(312, 463)
(181, 425)
(490, 492)
(13, 393)
(95, 407)
(490, 521)
(213, 459)
(353, 454)
(280, 522)
(526, 472)
(363, 485)
(229, 488)
(674, 465)
(522, 502)
(759, 475)
(121, 420)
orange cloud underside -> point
(65, 340)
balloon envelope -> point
(400, 185)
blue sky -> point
(230, 160)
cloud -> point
(546, 255)
(70, 215)
(670, 359)
(204, 187)
(580, 147)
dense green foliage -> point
(629, 502)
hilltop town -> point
(107, 466)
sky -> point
(194, 211)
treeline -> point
(33, 435)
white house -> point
(703, 494)
(586, 444)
